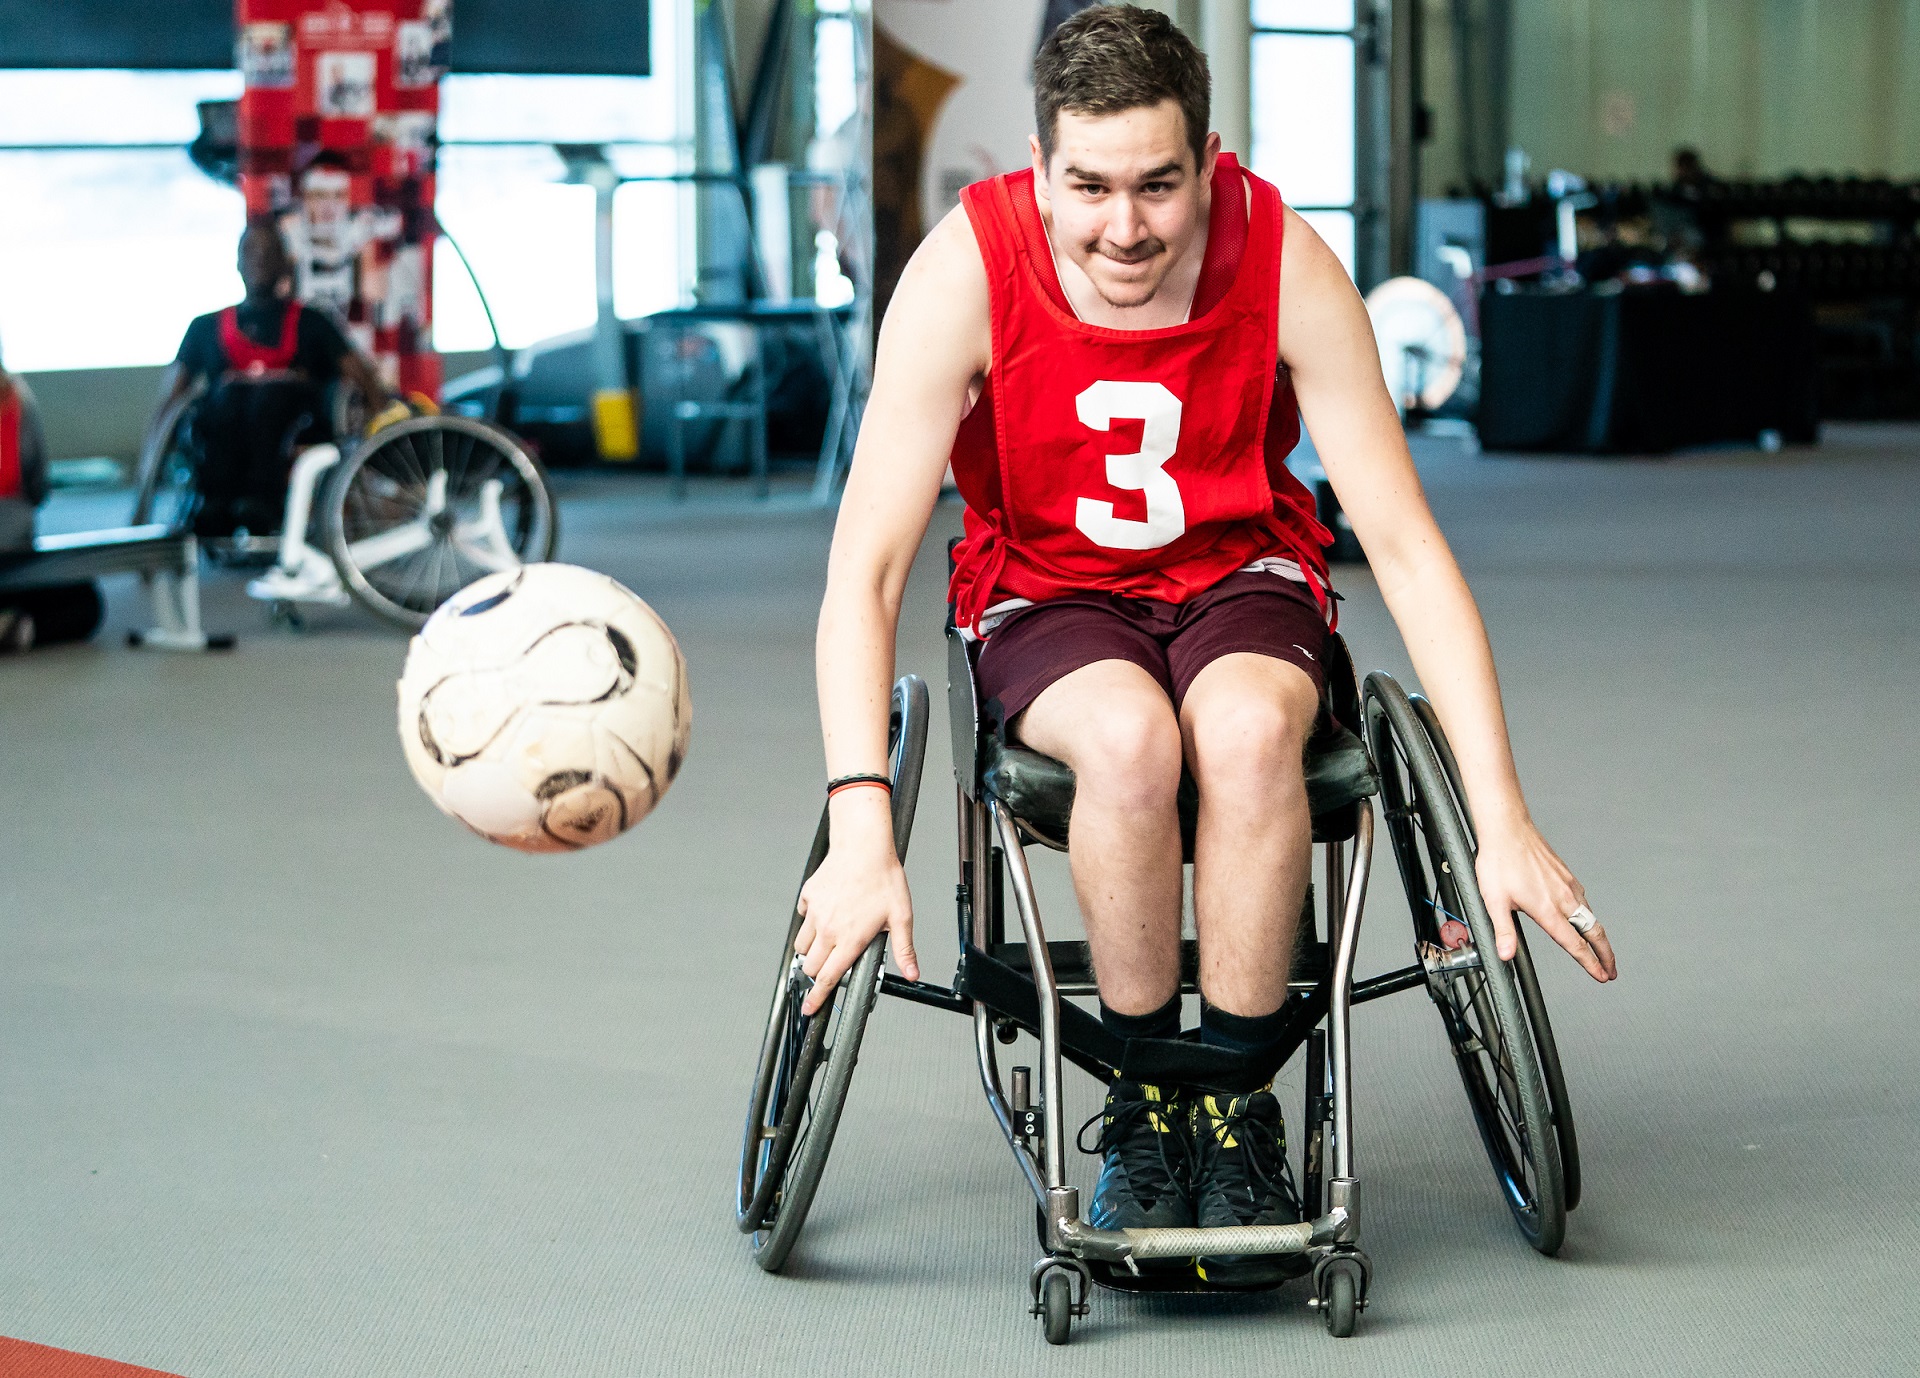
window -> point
(1303, 111)
(528, 233)
(112, 240)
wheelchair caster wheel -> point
(283, 613)
(1056, 1308)
(1054, 1295)
(1338, 1297)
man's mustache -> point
(1138, 253)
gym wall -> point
(1760, 89)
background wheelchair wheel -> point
(806, 1063)
(426, 506)
(164, 489)
(1484, 1014)
(1543, 1041)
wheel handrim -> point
(1483, 1056)
(807, 1045)
(167, 492)
(797, 1061)
(429, 505)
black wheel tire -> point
(1056, 1307)
(163, 481)
(806, 1063)
(1530, 995)
(1484, 1014)
(1340, 1307)
(367, 496)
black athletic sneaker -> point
(1241, 1177)
(1144, 1138)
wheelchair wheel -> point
(164, 485)
(1543, 1041)
(1481, 1005)
(426, 506)
(806, 1063)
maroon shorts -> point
(1247, 611)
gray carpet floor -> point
(299, 1079)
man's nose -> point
(1125, 228)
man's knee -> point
(1250, 743)
(1129, 756)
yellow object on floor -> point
(616, 424)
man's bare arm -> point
(1327, 342)
(934, 344)
(364, 375)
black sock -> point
(1241, 1033)
(1161, 1023)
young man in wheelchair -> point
(1108, 350)
(266, 363)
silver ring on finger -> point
(1583, 920)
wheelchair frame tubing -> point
(986, 828)
(980, 901)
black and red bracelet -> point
(854, 781)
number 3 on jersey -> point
(1158, 412)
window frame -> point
(1369, 34)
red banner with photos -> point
(337, 129)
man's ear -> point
(1209, 159)
(1039, 167)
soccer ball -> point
(545, 707)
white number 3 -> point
(1158, 411)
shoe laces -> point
(1261, 1148)
(1121, 1124)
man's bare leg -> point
(1112, 722)
(1245, 724)
(1245, 721)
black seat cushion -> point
(1038, 790)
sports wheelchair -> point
(1009, 798)
(397, 520)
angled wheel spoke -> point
(371, 552)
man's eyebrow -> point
(1155, 174)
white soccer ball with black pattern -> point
(545, 707)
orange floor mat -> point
(19, 1359)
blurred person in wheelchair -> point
(1114, 351)
(23, 465)
(23, 487)
(48, 614)
(268, 365)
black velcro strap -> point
(1085, 1041)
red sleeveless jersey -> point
(1140, 462)
(244, 356)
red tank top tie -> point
(246, 356)
(1143, 462)
(10, 477)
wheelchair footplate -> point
(1114, 1277)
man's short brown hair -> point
(1111, 58)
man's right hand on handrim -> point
(859, 891)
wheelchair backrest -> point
(963, 705)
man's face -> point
(1124, 194)
(263, 263)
